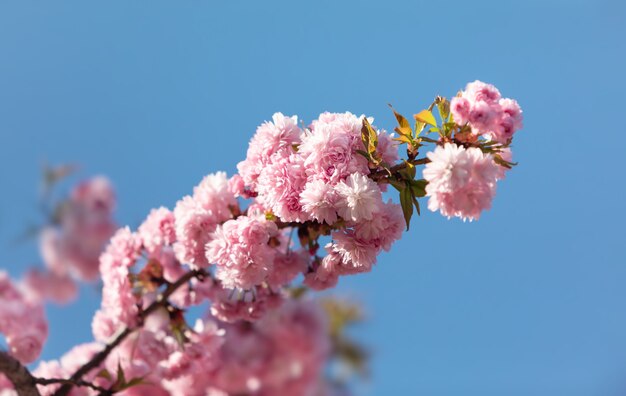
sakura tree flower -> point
(42, 286)
(487, 112)
(22, 321)
(237, 186)
(479, 91)
(324, 273)
(319, 200)
(194, 226)
(387, 148)
(460, 109)
(119, 304)
(461, 182)
(287, 266)
(85, 225)
(449, 168)
(384, 228)
(358, 198)
(197, 217)
(230, 305)
(241, 252)
(330, 147)
(280, 184)
(482, 115)
(214, 195)
(272, 138)
(158, 229)
(357, 255)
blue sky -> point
(530, 300)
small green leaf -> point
(427, 117)
(417, 204)
(443, 105)
(104, 373)
(406, 201)
(120, 381)
(398, 185)
(418, 187)
(409, 171)
(419, 127)
(134, 381)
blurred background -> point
(530, 300)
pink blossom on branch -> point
(320, 186)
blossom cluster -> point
(71, 245)
(307, 205)
(487, 112)
(282, 354)
(22, 321)
(463, 171)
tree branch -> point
(51, 381)
(382, 175)
(22, 379)
(98, 358)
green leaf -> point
(418, 187)
(104, 373)
(120, 381)
(409, 171)
(406, 201)
(427, 117)
(443, 105)
(134, 381)
(398, 185)
(417, 204)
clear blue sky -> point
(531, 300)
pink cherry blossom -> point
(241, 252)
(158, 229)
(319, 200)
(358, 198)
(272, 138)
(461, 182)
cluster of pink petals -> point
(241, 252)
(22, 321)
(254, 339)
(315, 174)
(482, 106)
(461, 181)
(197, 217)
(71, 247)
(119, 303)
(85, 225)
(284, 353)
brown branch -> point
(382, 175)
(98, 358)
(22, 379)
(51, 381)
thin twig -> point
(98, 358)
(50, 381)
